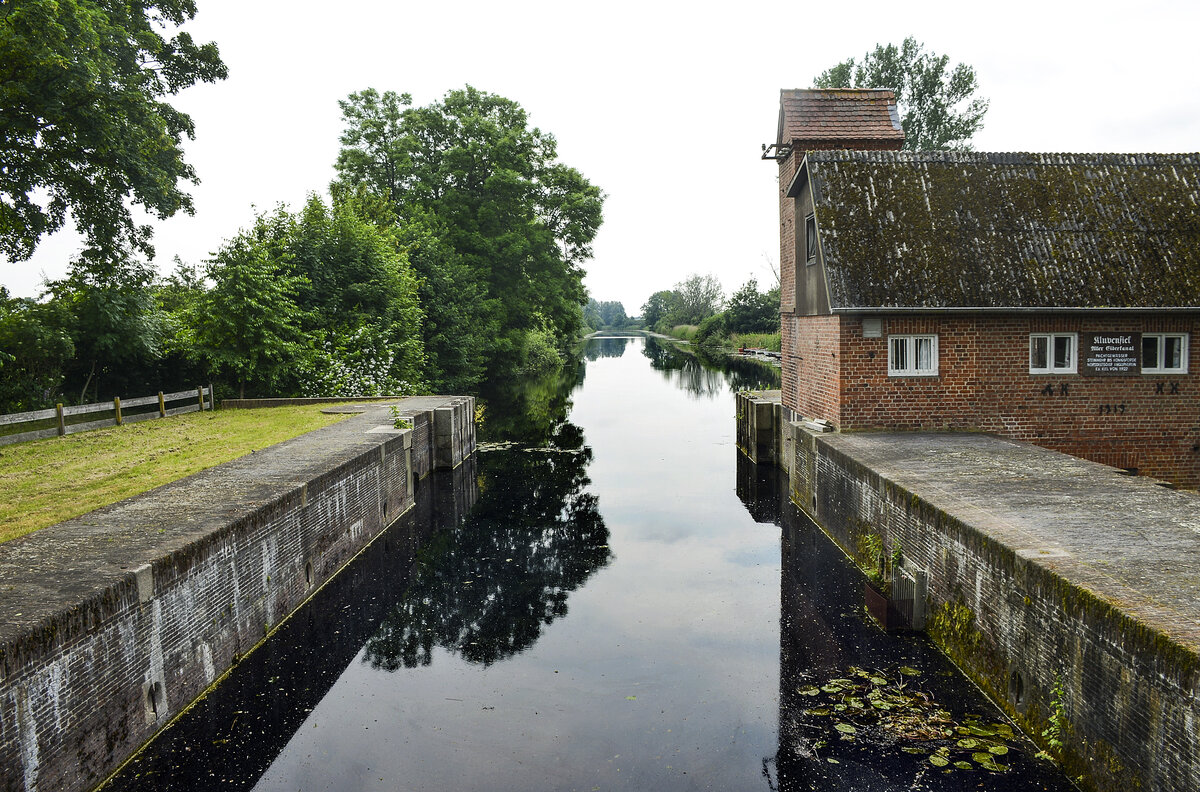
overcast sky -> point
(664, 106)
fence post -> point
(162, 406)
(117, 408)
(62, 423)
(212, 401)
(200, 395)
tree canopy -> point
(84, 129)
(490, 188)
(938, 106)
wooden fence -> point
(54, 421)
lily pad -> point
(809, 691)
(911, 749)
(968, 743)
(937, 760)
(998, 750)
(878, 680)
(818, 711)
(908, 671)
(983, 757)
(846, 728)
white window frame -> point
(910, 367)
(1051, 368)
(1161, 338)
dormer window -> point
(810, 237)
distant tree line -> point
(450, 251)
(698, 304)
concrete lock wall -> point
(1019, 630)
(1024, 614)
(116, 621)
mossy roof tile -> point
(967, 229)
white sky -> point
(663, 105)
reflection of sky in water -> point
(664, 671)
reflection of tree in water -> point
(708, 374)
(606, 347)
(485, 588)
(529, 410)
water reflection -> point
(228, 738)
(825, 636)
(705, 374)
(485, 588)
(606, 347)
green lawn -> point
(47, 481)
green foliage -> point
(937, 104)
(398, 420)
(606, 314)
(752, 311)
(772, 341)
(251, 332)
(541, 354)
(35, 350)
(660, 306)
(472, 172)
(84, 124)
(115, 326)
(713, 329)
(1057, 723)
(696, 298)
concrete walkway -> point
(1130, 541)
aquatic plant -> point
(875, 706)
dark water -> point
(595, 606)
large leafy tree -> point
(938, 106)
(84, 130)
(697, 297)
(490, 187)
(752, 311)
(250, 331)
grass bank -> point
(47, 481)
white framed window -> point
(810, 238)
(912, 355)
(1053, 353)
(1164, 353)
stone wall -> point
(1019, 625)
(114, 622)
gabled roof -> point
(812, 116)
(963, 229)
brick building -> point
(1050, 298)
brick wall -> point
(1017, 628)
(1149, 422)
(96, 680)
(812, 361)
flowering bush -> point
(358, 363)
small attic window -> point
(810, 238)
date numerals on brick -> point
(1112, 409)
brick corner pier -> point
(113, 622)
(1037, 570)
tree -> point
(115, 326)
(83, 123)
(696, 298)
(936, 104)
(35, 351)
(660, 304)
(473, 172)
(752, 311)
(250, 331)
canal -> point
(608, 596)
